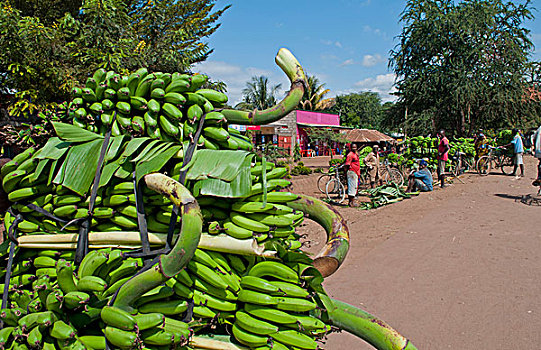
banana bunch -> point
(158, 105)
(54, 304)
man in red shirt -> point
(353, 167)
(443, 155)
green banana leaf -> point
(133, 145)
(114, 147)
(239, 187)
(156, 162)
(214, 164)
(72, 133)
(79, 168)
(54, 149)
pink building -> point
(291, 130)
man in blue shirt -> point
(420, 180)
(518, 149)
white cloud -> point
(382, 84)
(376, 31)
(372, 60)
(236, 77)
(332, 43)
(348, 62)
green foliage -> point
(461, 65)
(336, 161)
(359, 110)
(300, 169)
(313, 98)
(48, 47)
(258, 94)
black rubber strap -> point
(141, 219)
(45, 213)
(182, 179)
(189, 312)
(12, 234)
(82, 241)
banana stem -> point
(183, 250)
(132, 240)
(217, 343)
(289, 64)
(329, 259)
(364, 325)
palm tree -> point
(258, 94)
(313, 95)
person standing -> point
(518, 150)
(536, 145)
(353, 168)
(443, 156)
(372, 162)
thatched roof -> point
(366, 136)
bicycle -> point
(391, 174)
(496, 157)
(460, 164)
(324, 178)
(334, 188)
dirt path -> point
(456, 268)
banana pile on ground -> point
(162, 106)
(420, 147)
(227, 273)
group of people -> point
(419, 180)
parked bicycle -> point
(460, 164)
(335, 190)
(391, 174)
(496, 158)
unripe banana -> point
(252, 324)
(91, 284)
(62, 331)
(270, 314)
(276, 270)
(247, 338)
(295, 338)
(171, 307)
(118, 318)
(250, 296)
(121, 338)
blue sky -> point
(345, 43)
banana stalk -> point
(215, 343)
(132, 240)
(329, 259)
(364, 325)
(289, 64)
(171, 264)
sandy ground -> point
(457, 268)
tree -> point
(313, 96)
(461, 66)
(49, 46)
(326, 136)
(258, 94)
(359, 110)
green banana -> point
(91, 262)
(168, 308)
(158, 293)
(251, 207)
(147, 321)
(274, 269)
(296, 339)
(73, 300)
(91, 284)
(118, 318)
(247, 338)
(270, 314)
(254, 325)
(258, 284)
(61, 330)
(208, 300)
(121, 338)
(207, 274)
(294, 304)
(289, 289)
(247, 223)
(250, 296)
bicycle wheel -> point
(507, 165)
(363, 183)
(322, 181)
(483, 166)
(395, 176)
(335, 191)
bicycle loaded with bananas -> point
(178, 238)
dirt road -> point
(457, 268)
